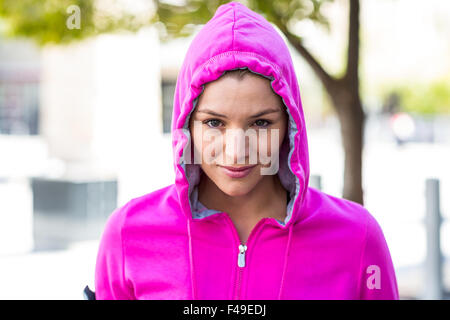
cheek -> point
(197, 139)
(208, 145)
(282, 131)
(272, 140)
(197, 146)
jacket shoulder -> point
(157, 207)
(334, 212)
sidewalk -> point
(411, 281)
(49, 275)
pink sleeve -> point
(377, 279)
(110, 281)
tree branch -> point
(353, 44)
(326, 79)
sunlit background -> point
(85, 127)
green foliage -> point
(281, 12)
(429, 98)
(45, 20)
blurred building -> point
(79, 114)
(22, 149)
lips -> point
(239, 168)
(237, 172)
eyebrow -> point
(259, 114)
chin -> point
(235, 189)
(229, 186)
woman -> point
(236, 226)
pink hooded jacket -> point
(167, 245)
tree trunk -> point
(352, 119)
(352, 131)
(344, 94)
(350, 112)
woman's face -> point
(238, 123)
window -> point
(19, 102)
(168, 92)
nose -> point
(237, 150)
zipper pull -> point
(241, 256)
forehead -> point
(228, 94)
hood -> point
(238, 38)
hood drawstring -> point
(191, 261)
(286, 255)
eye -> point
(262, 123)
(213, 123)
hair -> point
(237, 73)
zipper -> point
(242, 249)
(241, 255)
(241, 265)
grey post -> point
(315, 181)
(433, 264)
